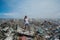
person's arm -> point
(24, 19)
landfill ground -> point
(40, 29)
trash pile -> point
(40, 30)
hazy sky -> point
(31, 8)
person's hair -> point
(25, 17)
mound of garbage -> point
(39, 30)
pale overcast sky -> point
(31, 8)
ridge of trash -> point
(47, 29)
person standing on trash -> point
(26, 23)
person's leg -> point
(28, 27)
(24, 27)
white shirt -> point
(26, 21)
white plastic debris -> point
(56, 39)
(9, 38)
